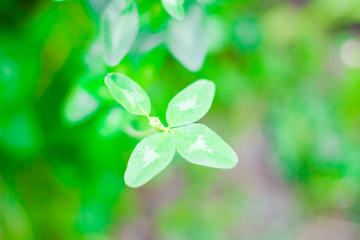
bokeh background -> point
(287, 75)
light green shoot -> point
(195, 142)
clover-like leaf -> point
(200, 145)
(149, 158)
(190, 104)
(188, 40)
(128, 93)
(175, 8)
(120, 25)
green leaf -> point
(190, 104)
(188, 40)
(149, 158)
(79, 106)
(120, 25)
(200, 145)
(128, 93)
(175, 8)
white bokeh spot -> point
(350, 53)
(200, 145)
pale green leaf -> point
(119, 27)
(190, 104)
(188, 40)
(79, 106)
(200, 145)
(149, 158)
(128, 93)
(175, 8)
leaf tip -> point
(179, 16)
(108, 77)
(131, 181)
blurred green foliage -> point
(286, 70)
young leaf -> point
(120, 24)
(149, 158)
(200, 145)
(175, 8)
(128, 93)
(190, 104)
(187, 40)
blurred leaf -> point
(99, 5)
(94, 60)
(190, 104)
(188, 40)
(15, 224)
(149, 158)
(175, 8)
(9, 83)
(112, 123)
(145, 42)
(94, 85)
(247, 33)
(20, 133)
(218, 33)
(79, 106)
(200, 145)
(120, 25)
(128, 93)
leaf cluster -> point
(195, 142)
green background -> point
(287, 77)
